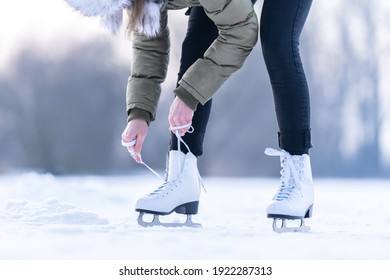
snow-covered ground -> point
(91, 217)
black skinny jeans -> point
(281, 25)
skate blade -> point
(283, 227)
(156, 222)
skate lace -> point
(180, 140)
(131, 151)
(178, 137)
(288, 184)
(163, 188)
(170, 185)
(130, 144)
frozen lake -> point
(92, 217)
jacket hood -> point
(111, 14)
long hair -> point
(135, 13)
(144, 17)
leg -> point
(181, 191)
(201, 33)
(280, 28)
(281, 24)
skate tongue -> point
(290, 166)
(179, 156)
(175, 164)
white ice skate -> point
(295, 197)
(180, 193)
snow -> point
(92, 217)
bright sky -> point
(44, 23)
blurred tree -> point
(341, 47)
(67, 111)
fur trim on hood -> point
(111, 14)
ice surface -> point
(91, 217)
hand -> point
(180, 114)
(135, 130)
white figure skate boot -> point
(295, 197)
(180, 193)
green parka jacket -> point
(238, 33)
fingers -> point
(178, 127)
(130, 148)
(138, 148)
(182, 130)
(128, 133)
(133, 138)
(180, 116)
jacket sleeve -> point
(238, 33)
(150, 57)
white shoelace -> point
(286, 189)
(130, 144)
(162, 188)
(131, 151)
(171, 184)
